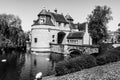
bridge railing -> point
(59, 48)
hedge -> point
(75, 64)
(87, 61)
(109, 56)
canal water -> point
(24, 66)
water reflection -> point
(24, 66)
(11, 69)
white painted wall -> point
(42, 34)
(65, 38)
(42, 38)
(87, 40)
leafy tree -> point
(27, 36)
(10, 27)
(81, 26)
(118, 36)
(119, 24)
(98, 20)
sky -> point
(79, 10)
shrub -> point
(60, 68)
(105, 47)
(115, 51)
(56, 57)
(117, 48)
(75, 64)
(112, 55)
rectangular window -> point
(53, 36)
(42, 20)
(59, 24)
(64, 24)
(68, 41)
(35, 40)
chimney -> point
(48, 10)
(86, 29)
(55, 10)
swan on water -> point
(38, 76)
(3, 60)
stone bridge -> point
(67, 49)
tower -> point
(40, 32)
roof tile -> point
(59, 17)
(75, 35)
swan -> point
(3, 60)
(38, 76)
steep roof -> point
(48, 22)
(75, 35)
(59, 17)
(68, 17)
(44, 12)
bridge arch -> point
(75, 52)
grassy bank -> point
(109, 71)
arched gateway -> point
(60, 37)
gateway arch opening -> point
(60, 37)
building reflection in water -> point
(24, 66)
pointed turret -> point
(44, 18)
(44, 12)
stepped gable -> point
(75, 35)
(59, 17)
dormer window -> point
(42, 20)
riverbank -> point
(109, 71)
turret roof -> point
(44, 12)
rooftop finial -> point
(55, 10)
(48, 10)
(44, 7)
